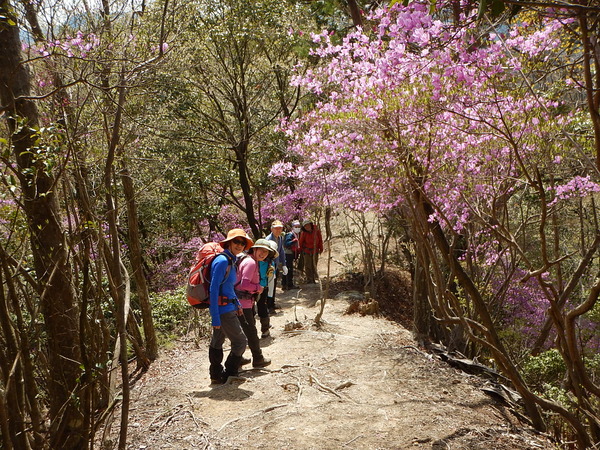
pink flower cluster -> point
(417, 97)
(424, 106)
(577, 187)
(79, 45)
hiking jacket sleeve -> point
(319, 240)
(291, 243)
(248, 276)
(281, 250)
(263, 266)
(303, 241)
(280, 261)
(219, 286)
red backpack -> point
(199, 276)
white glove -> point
(271, 291)
(284, 270)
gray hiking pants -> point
(232, 330)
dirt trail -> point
(358, 383)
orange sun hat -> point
(238, 232)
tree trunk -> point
(52, 267)
(25, 373)
(496, 346)
(591, 81)
(241, 152)
(137, 266)
(422, 315)
(12, 403)
(355, 13)
(328, 232)
(118, 277)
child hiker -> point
(267, 275)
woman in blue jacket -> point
(224, 308)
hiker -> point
(280, 267)
(311, 246)
(248, 288)
(267, 276)
(224, 308)
(292, 250)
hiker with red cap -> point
(224, 308)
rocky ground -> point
(357, 382)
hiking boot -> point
(215, 356)
(272, 311)
(232, 366)
(221, 380)
(261, 362)
(245, 361)
(265, 334)
(265, 324)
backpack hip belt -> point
(225, 300)
(245, 295)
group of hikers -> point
(240, 291)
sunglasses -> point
(239, 242)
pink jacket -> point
(248, 281)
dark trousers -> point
(261, 304)
(310, 267)
(232, 330)
(263, 311)
(288, 280)
(249, 327)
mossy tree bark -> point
(49, 251)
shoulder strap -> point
(229, 264)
